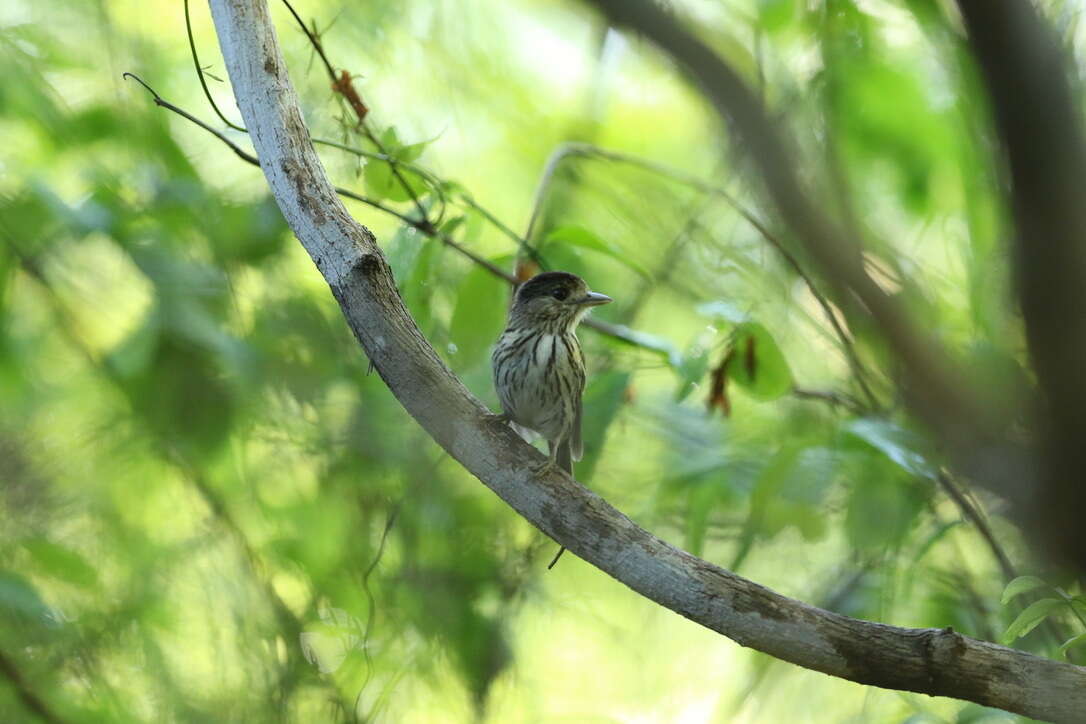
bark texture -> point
(930, 661)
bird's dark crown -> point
(559, 285)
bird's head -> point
(554, 299)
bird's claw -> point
(501, 418)
(544, 468)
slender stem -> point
(200, 74)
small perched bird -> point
(538, 367)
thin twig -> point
(200, 74)
(974, 515)
(834, 399)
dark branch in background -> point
(346, 254)
(26, 695)
(1025, 71)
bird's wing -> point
(576, 446)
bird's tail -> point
(564, 458)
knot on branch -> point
(941, 649)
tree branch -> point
(931, 661)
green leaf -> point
(1020, 585)
(776, 15)
(403, 253)
(882, 509)
(416, 286)
(701, 500)
(380, 179)
(382, 183)
(694, 365)
(896, 443)
(581, 237)
(61, 563)
(19, 599)
(1030, 618)
(759, 366)
(1071, 642)
(477, 318)
(603, 398)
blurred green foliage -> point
(210, 510)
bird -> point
(539, 371)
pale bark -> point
(931, 661)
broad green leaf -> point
(897, 444)
(1072, 642)
(61, 563)
(477, 318)
(1020, 585)
(416, 286)
(759, 366)
(1028, 620)
(581, 237)
(776, 15)
(882, 509)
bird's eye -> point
(560, 294)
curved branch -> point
(930, 661)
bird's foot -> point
(544, 468)
(501, 418)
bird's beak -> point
(594, 299)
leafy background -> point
(210, 510)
